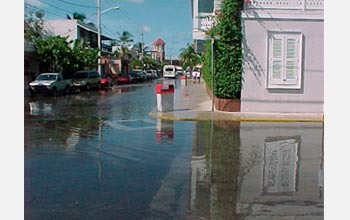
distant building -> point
(283, 50)
(158, 52)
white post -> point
(212, 74)
(99, 35)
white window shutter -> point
(276, 59)
(285, 55)
(292, 55)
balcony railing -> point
(285, 4)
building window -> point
(285, 56)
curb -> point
(239, 117)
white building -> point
(283, 46)
(203, 12)
(77, 30)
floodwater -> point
(99, 155)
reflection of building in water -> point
(257, 171)
(286, 159)
(280, 166)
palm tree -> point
(77, 16)
(142, 50)
(189, 57)
(124, 40)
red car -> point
(123, 79)
(106, 82)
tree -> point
(124, 40)
(83, 57)
(142, 50)
(54, 51)
(189, 57)
(77, 16)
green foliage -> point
(125, 38)
(135, 64)
(227, 51)
(82, 57)
(55, 52)
(189, 57)
(206, 64)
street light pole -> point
(99, 12)
(212, 74)
(99, 35)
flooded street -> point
(99, 155)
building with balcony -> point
(283, 50)
(87, 32)
(203, 12)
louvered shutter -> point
(292, 59)
(276, 58)
(284, 60)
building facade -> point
(158, 51)
(77, 30)
(283, 49)
(203, 12)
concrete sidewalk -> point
(192, 103)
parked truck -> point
(50, 83)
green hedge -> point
(227, 52)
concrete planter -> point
(227, 105)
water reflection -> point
(257, 171)
(164, 131)
(100, 156)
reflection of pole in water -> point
(164, 130)
(99, 149)
(320, 172)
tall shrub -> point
(227, 51)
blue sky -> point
(168, 19)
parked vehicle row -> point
(55, 83)
(137, 76)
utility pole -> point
(99, 35)
(99, 12)
(142, 47)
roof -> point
(159, 41)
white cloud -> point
(146, 28)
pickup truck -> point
(50, 83)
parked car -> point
(136, 76)
(106, 82)
(149, 74)
(123, 79)
(50, 83)
(86, 79)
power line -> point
(78, 5)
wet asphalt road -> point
(99, 155)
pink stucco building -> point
(283, 47)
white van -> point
(169, 71)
